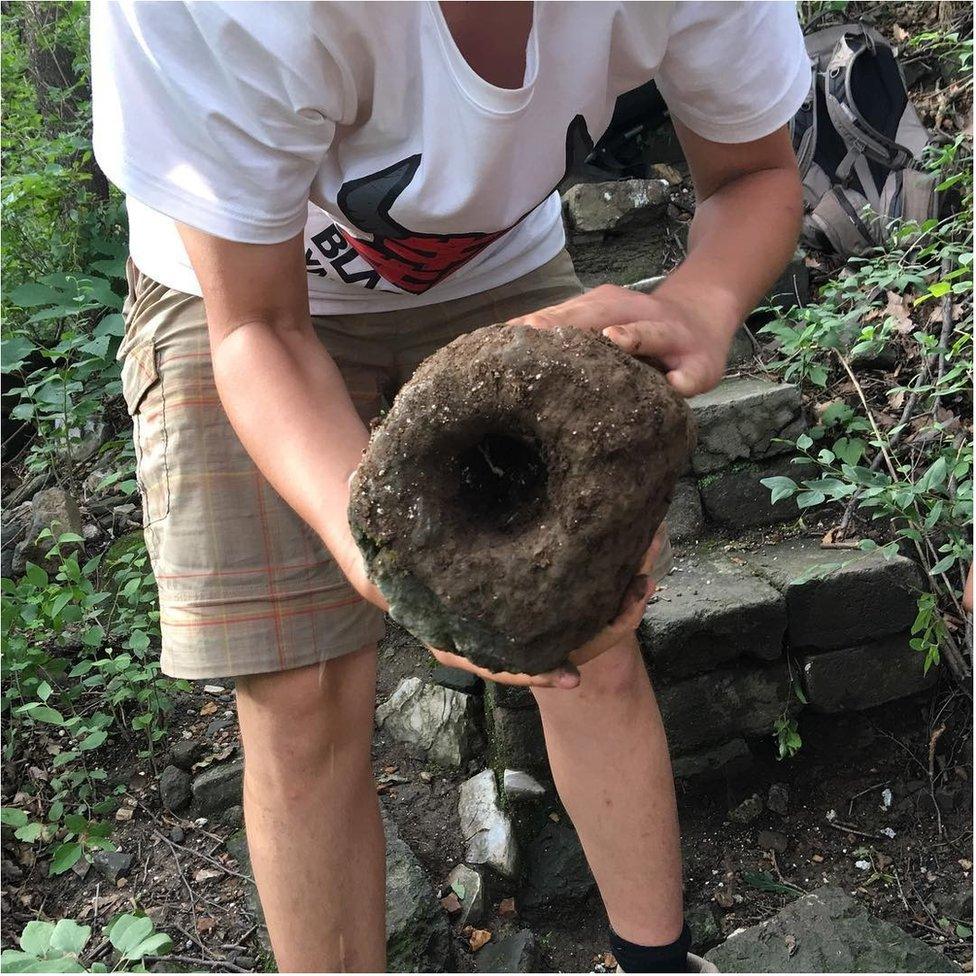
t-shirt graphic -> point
(413, 261)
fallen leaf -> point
(506, 907)
(965, 864)
(205, 874)
(425, 776)
(724, 898)
(817, 859)
(123, 814)
(390, 769)
(790, 941)
(899, 34)
(451, 904)
(554, 817)
(609, 961)
(209, 708)
(478, 938)
(896, 310)
(206, 924)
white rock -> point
(521, 786)
(486, 829)
(467, 884)
(435, 720)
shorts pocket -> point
(142, 390)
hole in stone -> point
(502, 479)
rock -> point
(218, 788)
(177, 835)
(13, 530)
(721, 705)
(485, 829)
(556, 872)
(432, 720)
(747, 811)
(236, 846)
(778, 798)
(827, 931)
(417, 931)
(111, 865)
(514, 952)
(519, 786)
(685, 518)
(862, 597)
(793, 285)
(728, 761)
(711, 611)
(491, 570)
(957, 902)
(704, 927)
(735, 496)
(741, 419)
(517, 740)
(772, 840)
(468, 885)
(175, 788)
(509, 696)
(233, 817)
(457, 679)
(741, 350)
(185, 752)
(52, 508)
(599, 208)
(854, 678)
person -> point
(320, 195)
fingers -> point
(565, 676)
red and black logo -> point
(410, 260)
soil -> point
(511, 458)
(917, 879)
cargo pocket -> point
(142, 390)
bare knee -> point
(615, 675)
(306, 724)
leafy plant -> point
(49, 947)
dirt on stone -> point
(512, 458)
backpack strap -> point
(861, 138)
(803, 126)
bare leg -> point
(313, 823)
(609, 758)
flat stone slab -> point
(737, 498)
(859, 596)
(741, 419)
(853, 678)
(711, 610)
(827, 931)
(720, 705)
(685, 518)
(514, 952)
(700, 770)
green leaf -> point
(964, 931)
(459, 889)
(33, 295)
(764, 881)
(807, 499)
(849, 449)
(29, 833)
(36, 576)
(943, 565)
(70, 937)
(44, 713)
(93, 740)
(36, 937)
(13, 817)
(804, 442)
(780, 488)
(64, 857)
(14, 351)
(129, 933)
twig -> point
(943, 338)
(205, 857)
(848, 829)
(933, 741)
(195, 961)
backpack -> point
(858, 142)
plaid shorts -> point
(245, 586)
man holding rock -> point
(319, 196)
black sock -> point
(634, 958)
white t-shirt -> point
(414, 179)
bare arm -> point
(282, 393)
(743, 234)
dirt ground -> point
(838, 814)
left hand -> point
(567, 675)
(687, 336)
